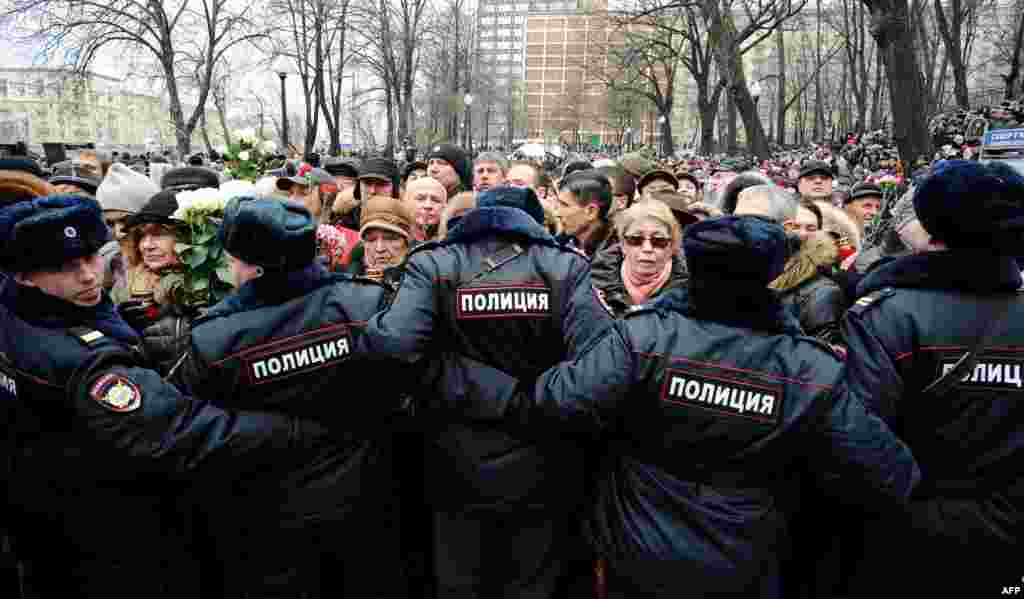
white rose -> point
(243, 155)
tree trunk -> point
(730, 121)
(876, 105)
(707, 106)
(205, 133)
(951, 32)
(780, 118)
(667, 144)
(819, 109)
(1015, 60)
(906, 87)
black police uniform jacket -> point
(535, 309)
(704, 419)
(917, 316)
(284, 343)
(99, 450)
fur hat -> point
(157, 210)
(969, 204)
(456, 157)
(839, 224)
(20, 186)
(513, 197)
(49, 231)
(341, 167)
(189, 178)
(279, 236)
(385, 212)
(124, 189)
(739, 251)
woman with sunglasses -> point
(645, 263)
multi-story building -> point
(39, 105)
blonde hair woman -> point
(646, 261)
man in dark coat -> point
(917, 318)
(98, 446)
(284, 342)
(501, 290)
(707, 399)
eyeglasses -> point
(658, 243)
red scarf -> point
(641, 288)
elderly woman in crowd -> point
(386, 233)
(149, 298)
(645, 263)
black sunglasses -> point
(659, 243)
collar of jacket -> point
(272, 289)
(44, 310)
(757, 309)
(489, 220)
(606, 275)
(976, 271)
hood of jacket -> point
(491, 220)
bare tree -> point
(957, 25)
(889, 27)
(203, 30)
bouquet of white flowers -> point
(205, 278)
(247, 155)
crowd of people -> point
(476, 377)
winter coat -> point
(704, 419)
(816, 301)
(606, 273)
(286, 343)
(917, 316)
(100, 450)
(536, 308)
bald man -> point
(427, 197)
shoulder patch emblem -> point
(116, 393)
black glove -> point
(138, 314)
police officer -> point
(707, 398)
(100, 445)
(935, 345)
(501, 290)
(284, 342)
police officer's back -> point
(284, 341)
(101, 446)
(955, 301)
(707, 399)
(498, 289)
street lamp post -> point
(661, 133)
(755, 93)
(281, 66)
(468, 99)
